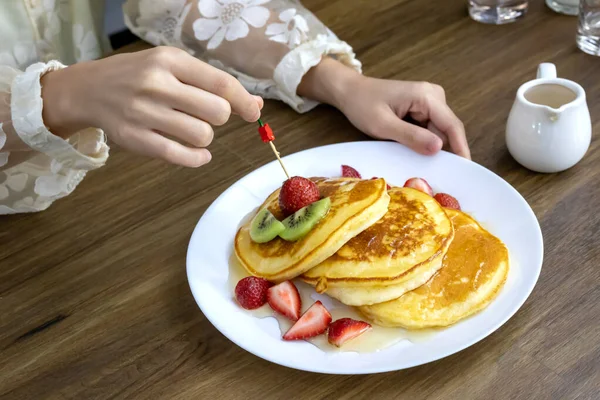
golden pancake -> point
(363, 296)
(473, 271)
(396, 254)
(355, 205)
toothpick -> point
(266, 135)
(279, 158)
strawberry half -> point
(447, 201)
(251, 292)
(349, 172)
(285, 299)
(419, 184)
(297, 193)
(312, 323)
(344, 329)
(387, 184)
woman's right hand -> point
(159, 102)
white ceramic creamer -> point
(549, 127)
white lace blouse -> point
(267, 44)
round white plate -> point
(481, 193)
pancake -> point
(362, 296)
(473, 271)
(398, 253)
(355, 205)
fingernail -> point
(434, 146)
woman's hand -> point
(378, 107)
(159, 102)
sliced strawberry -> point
(349, 172)
(419, 184)
(447, 201)
(297, 193)
(344, 329)
(312, 323)
(387, 184)
(251, 292)
(285, 299)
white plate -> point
(481, 193)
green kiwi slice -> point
(265, 227)
(302, 221)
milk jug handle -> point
(546, 71)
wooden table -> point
(94, 301)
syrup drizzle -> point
(376, 339)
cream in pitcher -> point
(549, 127)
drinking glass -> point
(588, 31)
(569, 7)
(497, 11)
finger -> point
(419, 139)
(259, 101)
(448, 123)
(439, 92)
(182, 126)
(155, 145)
(199, 103)
(434, 129)
(194, 72)
(418, 118)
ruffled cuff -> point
(3, 155)
(294, 65)
(85, 150)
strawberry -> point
(285, 299)
(251, 292)
(297, 193)
(349, 172)
(312, 323)
(419, 184)
(447, 201)
(344, 329)
(387, 184)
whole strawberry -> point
(419, 184)
(447, 201)
(297, 193)
(251, 292)
(349, 172)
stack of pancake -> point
(396, 255)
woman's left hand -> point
(378, 107)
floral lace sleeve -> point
(37, 167)
(267, 44)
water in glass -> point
(588, 31)
(568, 7)
(497, 11)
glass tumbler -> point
(568, 7)
(588, 31)
(497, 11)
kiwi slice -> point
(302, 221)
(265, 227)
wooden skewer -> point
(279, 158)
(266, 134)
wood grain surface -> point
(94, 302)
